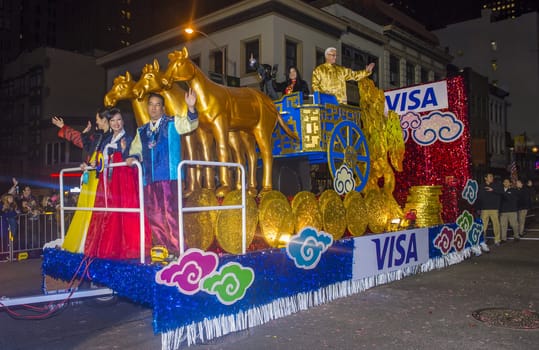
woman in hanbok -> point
(115, 235)
(92, 143)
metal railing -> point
(139, 210)
(208, 208)
(32, 232)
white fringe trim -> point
(255, 316)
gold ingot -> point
(276, 220)
(376, 209)
(199, 226)
(228, 227)
(334, 217)
(308, 214)
(300, 197)
(356, 213)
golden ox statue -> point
(122, 89)
(223, 109)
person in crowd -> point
(524, 204)
(29, 204)
(488, 204)
(92, 143)
(509, 211)
(14, 190)
(157, 147)
(293, 83)
(8, 220)
(330, 78)
(115, 235)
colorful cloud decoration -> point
(344, 180)
(469, 192)
(409, 120)
(306, 248)
(230, 283)
(467, 231)
(196, 271)
(437, 126)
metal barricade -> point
(139, 210)
(208, 208)
(31, 234)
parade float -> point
(400, 202)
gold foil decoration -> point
(307, 214)
(377, 213)
(326, 196)
(356, 213)
(199, 226)
(333, 215)
(228, 227)
(275, 219)
(300, 197)
(426, 201)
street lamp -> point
(190, 31)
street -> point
(424, 311)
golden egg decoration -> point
(229, 222)
(276, 220)
(333, 213)
(356, 213)
(307, 213)
(199, 226)
(376, 210)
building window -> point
(358, 60)
(424, 75)
(291, 54)
(55, 153)
(494, 65)
(216, 59)
(394, 71)
(494, 45)
(252, 49)
(410, 74)
(320, 57)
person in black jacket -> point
(293, 83)
(509, 210)
(524, 204)
(488, 203)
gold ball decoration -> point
(356, 213)
(228, 227)
(199, 226)
(426, 201)
(306, 214)
(275, 219)
(333, 216)
(376, 211)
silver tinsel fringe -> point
(255, 316)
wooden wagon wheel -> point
(347, 145)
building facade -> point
(36, 86)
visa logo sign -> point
(420, 98)
(395, 251)
(387, 252)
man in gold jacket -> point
(330, 78)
